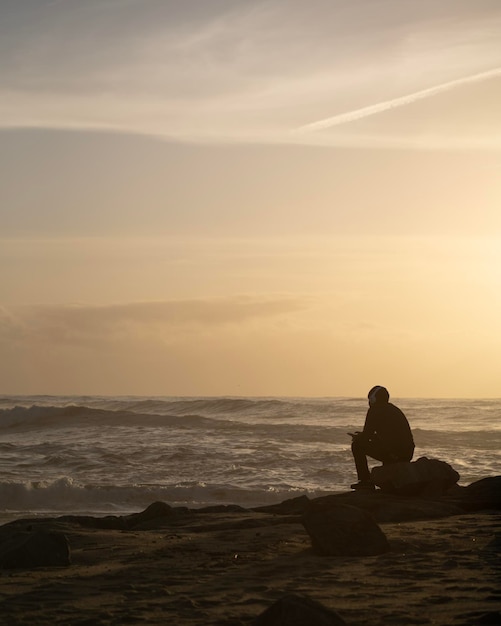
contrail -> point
(351, 116)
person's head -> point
(378, 395)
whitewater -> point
(116, 455)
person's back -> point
(389, 424)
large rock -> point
(34, 549)
(429, 477)
(295, 610)
(486, 491)
(482, 494)
(343, 530)
(389, 507)
(153, 516)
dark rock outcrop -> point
(152, 515)
(485, 493)
(425, 477)
(481, 495)
(295, 610)
(155, 513)
(34, 549)
(388, 508)
(286, 507)
(343, 530)
(383, 506)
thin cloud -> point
(381, 107)
(74, 324)
(225, 71)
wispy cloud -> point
(227, 71)
(381, 107)
(79, 324)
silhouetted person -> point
(386, 436)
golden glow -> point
(320, 316)
(270, 198)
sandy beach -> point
(225, 566)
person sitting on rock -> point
(386, 436)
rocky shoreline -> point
(297, 562)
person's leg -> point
(358, 448)
(361, 449)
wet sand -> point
(227, 567)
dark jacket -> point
(388, 424)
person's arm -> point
(370, 424)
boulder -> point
(486, 492)
(295, 610)
(153, 515)
(343, 530)
(481, 495)
(389, 507)
(424, 477)
(35, 549)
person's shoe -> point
(364, 484)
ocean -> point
(95, 455)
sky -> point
(250, 197)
